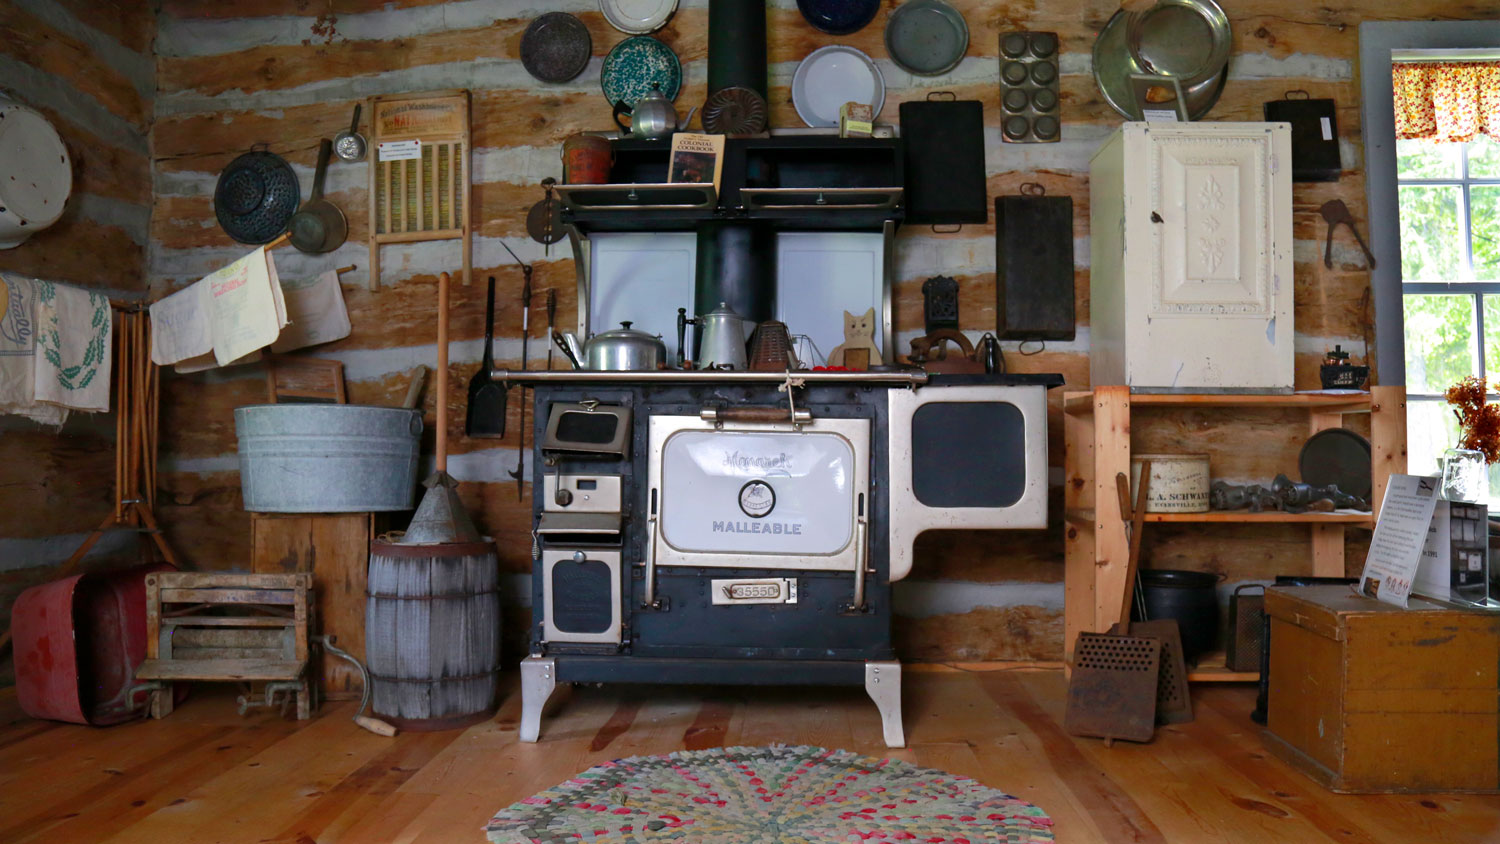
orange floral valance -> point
(1446, 101)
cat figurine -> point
(859, 335)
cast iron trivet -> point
(768, 795)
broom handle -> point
(1137, 521)
(441, 399)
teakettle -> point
(652, 116)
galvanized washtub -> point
(327, 458)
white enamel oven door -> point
(759, 495)
(971, 457)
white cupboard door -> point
(1217, 309)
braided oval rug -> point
(768, 795)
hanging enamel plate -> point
(637, 17)
(831, 76)
(637, 64)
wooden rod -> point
(441, 399)
(348, 269)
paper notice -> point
(1400, 533)
(400, 150)
(316, 312)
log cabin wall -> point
(287, 72)
(87, 66)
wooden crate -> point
(335, 548)
(1368, 697)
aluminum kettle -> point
(723, 339)
(652, 116)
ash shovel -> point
(486, 413)
(441, 516)
(1113, 690)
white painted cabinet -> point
(1191, 258)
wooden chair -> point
(227, 628)
(316, 380)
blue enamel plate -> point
(839, 17)
(637, 64)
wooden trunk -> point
(335, 547)
(1367, 697)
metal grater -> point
(1112, 693)
(939, 303)
(1173, 704)
(1246, 629)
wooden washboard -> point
(423, 198)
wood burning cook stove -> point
(746, 527)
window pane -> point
(1492, 342)
(1427, 160)
(1431, 248)
(1430, 429)
(1484, 158)
(1484, 232)
(1440, 347)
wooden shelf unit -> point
(1096, 436)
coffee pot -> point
(722, 338)
(652, 116)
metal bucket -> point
(327, 458)
(432, 633)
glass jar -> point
(1465, 475)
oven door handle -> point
(649, 599)
(861, 559)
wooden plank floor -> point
(208, 775)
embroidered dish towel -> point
(73, 347)
(18, 353)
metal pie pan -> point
(1113, 66)
(1337, 456)
(926, 37)
(637, 17)
(1189, 39)
(556, 47)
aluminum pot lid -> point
(1113, 66)
(831, 76)
(556, 47)
(635, 66)
(626, 334)
(926, 37)
(637, 17)
(36, 174)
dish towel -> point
(73, 347)
(18, 353)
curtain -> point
(1448, 102)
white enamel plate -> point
(831, 76)
(637, 17)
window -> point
(1449, 200)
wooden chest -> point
(1367, 697)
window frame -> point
(1379, 43)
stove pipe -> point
(736, 266)
(737, 45)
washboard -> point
(419, 191)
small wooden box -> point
(1368, 697)
(335, 547)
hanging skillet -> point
(319, 226)
(256, 196)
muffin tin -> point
(1031, 110)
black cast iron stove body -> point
(619, 592)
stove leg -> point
(883, 685)
(538, 679)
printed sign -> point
(400, 150)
